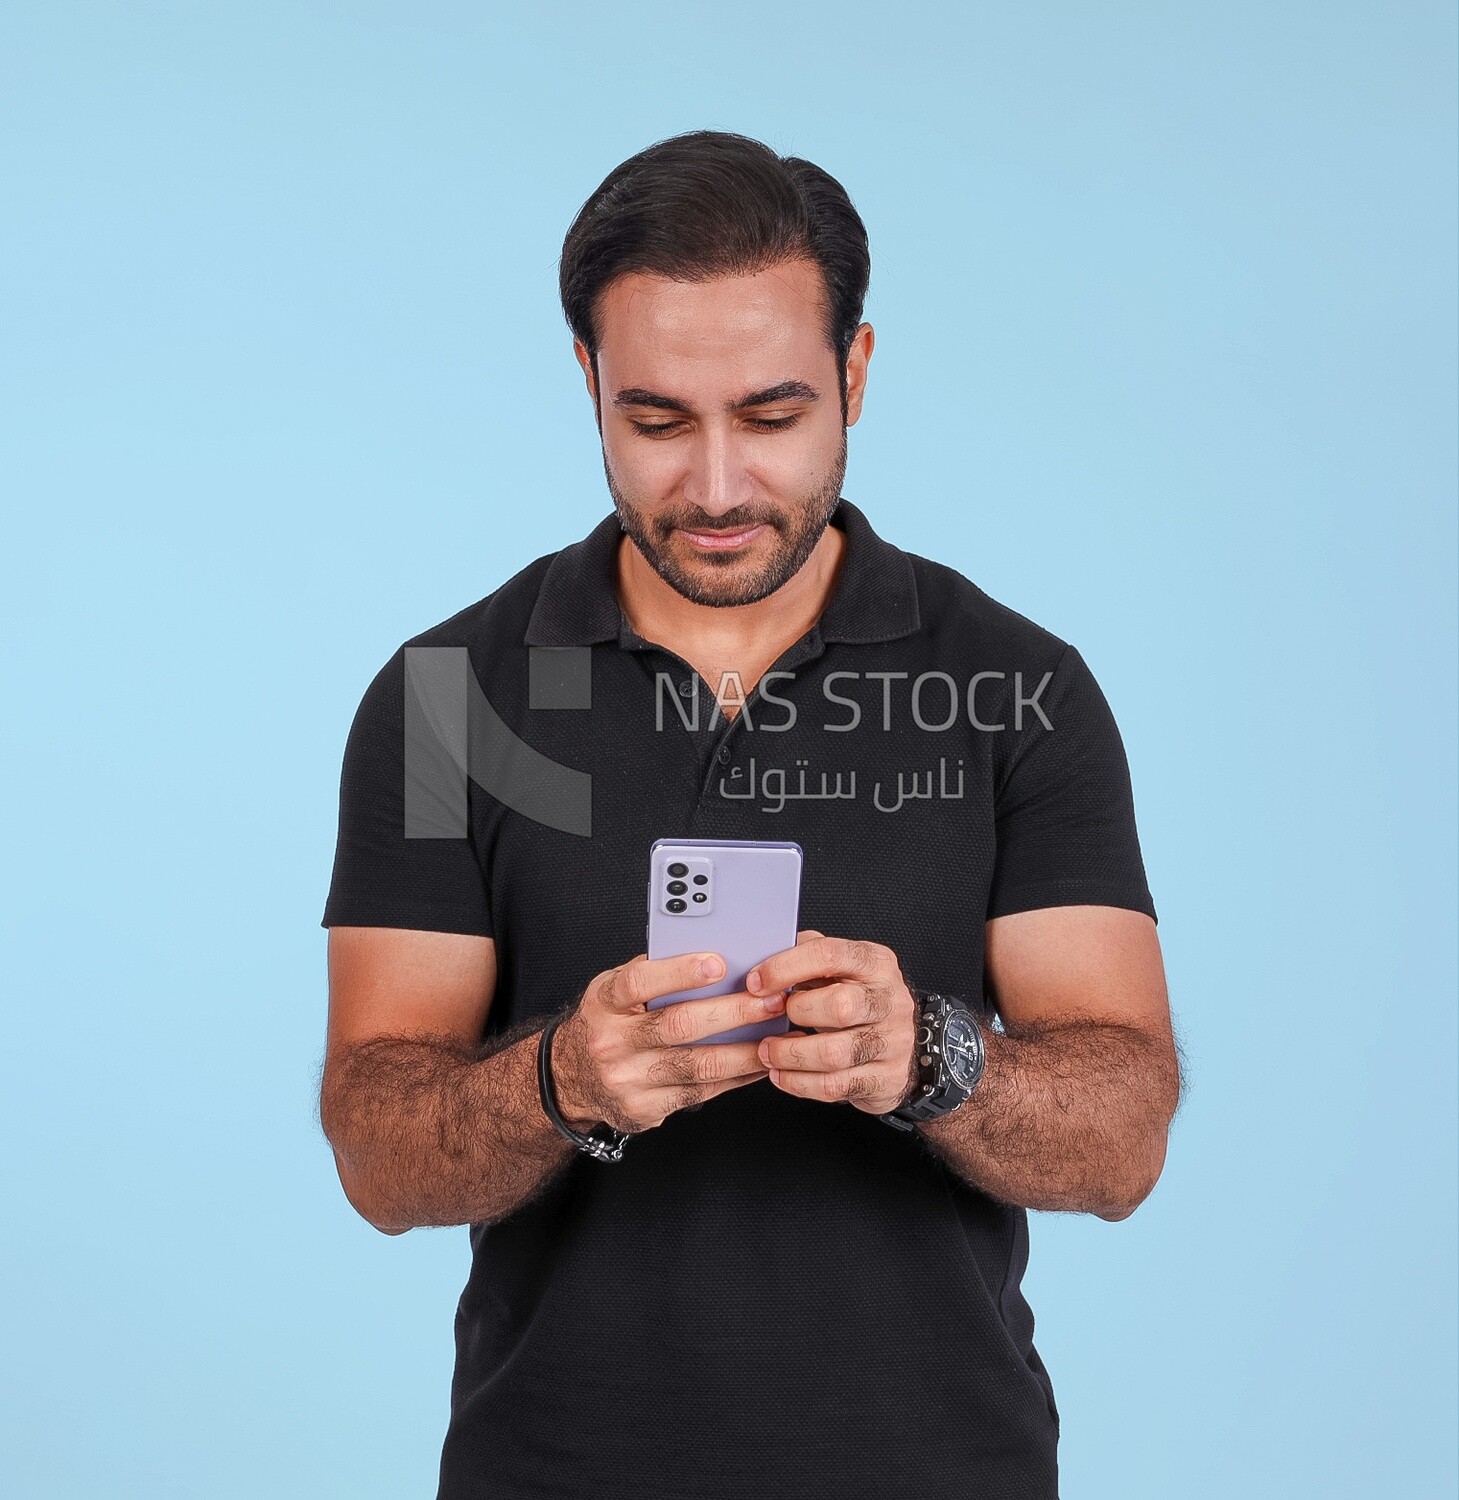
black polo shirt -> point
(766, 1295)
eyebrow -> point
(787, 390)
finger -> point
(844, 1086)
(823, 1051)
(685, 1021)
(819, 958)
(805, 936)
(632, 985)
(673, 1067)
(834, 1006)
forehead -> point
(728, 331)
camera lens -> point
(701, 880)
(676, 905)
(700, 896)
(677, 887)
(677, 869)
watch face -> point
(960, 1048)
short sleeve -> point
(381, 877)
(1064, 811)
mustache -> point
(720, 525)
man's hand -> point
(864, 1048)
(615, 1060)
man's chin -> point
(722, 581)
(719, 587)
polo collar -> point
(874, 597)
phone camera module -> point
(676, 905)
(678, 868)
(677, 887)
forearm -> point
(1071, 1117)
(428, 1131)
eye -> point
(668, 429)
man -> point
(713, 1270)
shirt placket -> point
(725, 746)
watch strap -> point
(602, 1142)
(938, 1092)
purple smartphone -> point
(739, 898)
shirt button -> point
(686, 688)
(722, 755)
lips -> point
(723, 541)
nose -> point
(717, 481)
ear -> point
(585, 359)
(857, 360)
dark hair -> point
(711, 203)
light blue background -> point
(1165, 306)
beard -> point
(725, 579)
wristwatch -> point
(950, 1060)
(602, 1142)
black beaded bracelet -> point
(603, 1142)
